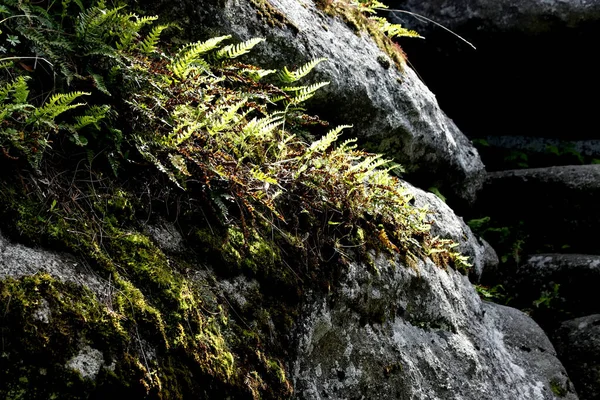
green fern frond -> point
(142, 21)
(225, 117)
(394, 30)
(326, 141)
(148, 45)
(18, 88)
(261, 127)
(257, 74)
(99, 83)
(234, 51)
(369, 6)
(187, 59)
(92, 116)
(58, 104)
(307, 92)
(288, 76)
(348, 145)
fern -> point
(92, 116)
(326, 141)
(58, 104)
(188, 58)
(307, 92)
(148, 45)
(394, 30)
(234, 51)
(257, 73)
(288, 76)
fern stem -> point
(26, 58)
(16, 16)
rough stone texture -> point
(403, 334)
(447, 225)
(558, 204)
(17, 260)
(577, 274)
(392, 112)
(508, 85)
(87, 362)
(578, 344)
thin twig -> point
(420, 17)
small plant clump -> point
(104, 127)
(362, 16)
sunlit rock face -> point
(403, 333)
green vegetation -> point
(360, 15)
(557, 388)
(104, 127)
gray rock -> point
(17, 260)
(87, 362)
(392, 112)
(559, 205)
(407, 334)
(578, 277)
(578, 344)
(447, 225)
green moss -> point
(271, 15)
(36, 350)
(557, 388)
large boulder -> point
(556, 206)
(392, 111)
(403, 333)
(566, 284)
(578, 344)
(447, 225)
(509, 85)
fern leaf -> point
(92, 116)
(99, 83)
(21, 91)
(234, 51)
(326, 141)
(148, 45)
(288, 76)
(394, 30)
(257, 74)
(58, 104)
(187, 59)
(307, 92)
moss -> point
(557, 388)
(35, 352)
(271, 15)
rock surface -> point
(17, 260)
(447, 225)
(559, 205)
(403, 334)
(578, 345)
(577, 277)
(392, 112)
